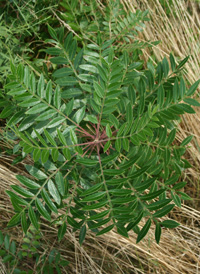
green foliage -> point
(90, 19)
(100, 130)
(15, 255)
(22, 32)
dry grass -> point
(179, 249)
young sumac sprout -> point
(101, 135)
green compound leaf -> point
(36, 154)
(172, 62)
(50, 138)
(48, 201)
(61, 137)
(144, 231)
(45, 155)
(60, 183)
(82, 234)
(22, 191)
(192, 102)
(158, 204)
(87, 162)
(122, 231)
(54, 192)
(37, 109)
(105, 230)
(108, 131)
(101, 133)
(54, 154)
(151, 196)
(27, 182)
(99, 90)
(91, 118)
(52, 32)
(24, 223)
(94, 197)
(67, 154)
(89, 68)
(79, 115)
(15, 199)
(158, 232)
(14, 220)
(92, 189)
(33, 217)
(193, 88)
(169, 223)
(35, 172)
(184, 196)
(42, 210)
(61, 231)
(186, 141)
(176, 199)
(95, 205)
(162, 212)
(182, 63)
(99, 215)
(134, 223)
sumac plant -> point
(101, 134)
